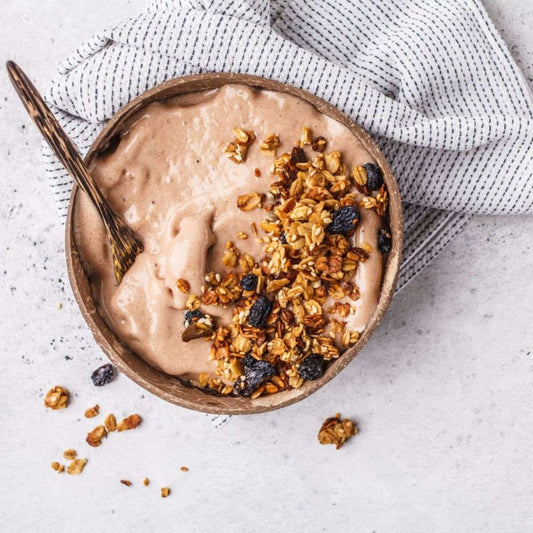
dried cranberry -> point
(103, 375)
(344, 220)
(384, 241)
(374, 176)
(312, 367)
(249, 282)
(255, 373)
(259, 312)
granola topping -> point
(56, 398)
(336, 431)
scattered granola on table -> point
(76, 466)
(56, 398)
(165, 491)
(336, 431)
(92, 411)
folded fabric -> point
(432, 81)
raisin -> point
(259, 312)
(103, 375)
(255, 374)
(283, 238)
(312, 367)
(374, 176)
(193, 316)
(384, 240)
(249, 282)
(344, 220)
(298, 155)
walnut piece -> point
(56, 398)
(184, 286)
(131, 422)
(76, 466)
(336, 431)
(94, 438)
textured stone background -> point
(442, 393)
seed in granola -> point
(94, 437)
(312, 367)
(165, 491)
(184, 469)
(146, 482)
(336, 431)
(76, 466)
(69, 454)
(298, 155)
(374, 176)
(92, 411)
(257, 172)
(103, 375)
(249, 282)
(384, 241)
(184, 286)
(57, 467)
(259, 312)
(56, 398)
(255, 374)
(344, 220)
(126, 482)
(130, 422)
(319, 144)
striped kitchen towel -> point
(432, 81)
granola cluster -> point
(336, 431)
(283, 331)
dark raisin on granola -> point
(259, 312)
(103, 375)
(298, 155)
(374, 176)
(344, 220)
(249, 282)
(255, 374)
(312, 367)
(319, 144)
(283, 238)
(384, 241)
(192, 316)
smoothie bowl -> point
(272, 228)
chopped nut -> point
(69, 454)
(184, 286)
(131, 422)
(126, 482)
(92, 411)
(56, 398)
(110, 422)
(146, 482)
(165, 491)
(336, 431)
(193, 302)
(76, 466)
(247, 202)
(94, 438)
(184, 469)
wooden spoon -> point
(125, 244)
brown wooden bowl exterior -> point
(171, 388)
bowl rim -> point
(76, 276)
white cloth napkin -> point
(431, 80)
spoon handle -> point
(56, 137)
